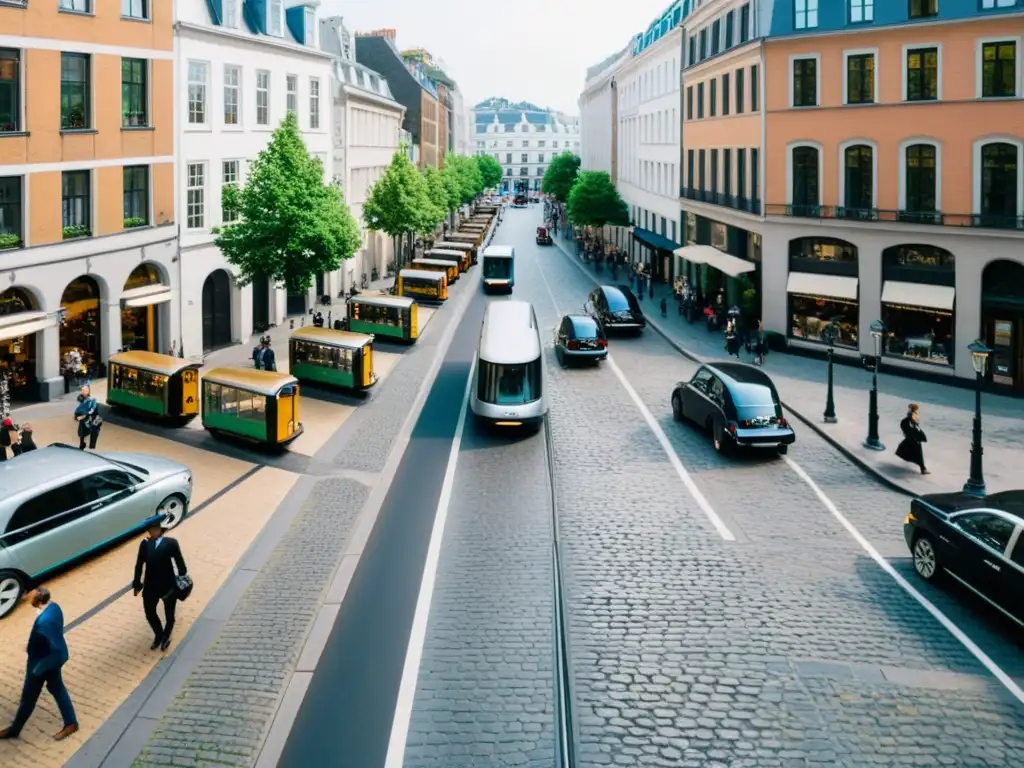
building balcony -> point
(935, 218)
(737, 203)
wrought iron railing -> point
(936, 218)
(737, 203)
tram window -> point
(509, 384)
(323, 356)
(252, 407)
(141, 383)
(211, 402)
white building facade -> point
(599, 116)
(461, 122)
(237, 78)
(523, 138)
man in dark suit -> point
(158, 555)
(47, 653)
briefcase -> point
(184, 587)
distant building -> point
(523, 138)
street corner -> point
(109, 650)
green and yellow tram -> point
(432, 264)
(423, 285)
(466, 236)
(261, 406)
(468, 249)
(393, 317)
(161, 385)
(337, 358)
(449, 256)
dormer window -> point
(311, 28)
(275, 18)
(231, 13)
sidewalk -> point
(947, 412)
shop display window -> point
(918, 333)
(808, 316)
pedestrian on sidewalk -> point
(28, 442)
(47, 653)
(910, 449)
(158, 556)
(664, 307)
(87, 414)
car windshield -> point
(584, 327)
(509, 384)
(753, 401)
(496, 268)
(617, 301)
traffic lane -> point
(723, 651)
(346, 716)
(485, 690)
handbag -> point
(183, 585)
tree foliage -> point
(490, 171)
(560, 176)
(399, 200)
(437, 200)
(292, 225)
(594, 201)
(466, 172)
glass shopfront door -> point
(1006, 338)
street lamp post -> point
(830, 334)
(872, 441)
(979, 358)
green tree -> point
(490, 171)
(437, 197)
(594, 202)
(560, 176)
(398, 201)
(452, 186)
(293, 226)
(467, 173)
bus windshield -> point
(509, 384)
(497, 268)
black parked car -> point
(975, 540)
(737, 403)
(615, 308)
(579, 337)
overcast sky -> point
(524, 50)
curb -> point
(848, 454)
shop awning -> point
(654, 240)
(24, 324)
(918, 295)
(723, 262)
(146, 296)
(832, 286)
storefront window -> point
(821, 249)
(81, 327)
(720, 237)
(17, 355)
(810, 314)
(138, 324)
(691, 229)
(918, 333)
(754, 247)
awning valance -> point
(723, 262)
(654, 240)
(832, 286)
(146, 296)
(24, 324)
(918, 295)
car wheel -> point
(926, 562)
(11, 590)
(782, 449)
(173, 509)
(677, 407)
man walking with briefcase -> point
(158, 556)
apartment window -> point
(716, 37)
(78, 6)
(741, 173)
(999, 70)
(989, 4)
(725, 94)
(262, 97)
(701, 157)
(10, 90)
(136, 196)
(689, 102)
(714, 171)
(74, 91)
(805, 14)
(999, 164)
(229, 178)
(923, 74)
(135, 9)
(275, 11)
(755, 169)
(134, 93)
(541, 143)
(525, 158)
(859, 164)
(923, 9)
(75, 194)
(310, 27)
(526, 143)
(713, 98)
(230, 8)
(10, 212)
(540, 157)
(195, 196)
(805, 82)
(524, 171)
(740, 105)
(745, 23)
(805, 197)
(508, 158)
(197, 79)
(232, 95)
(692, 50)
(700, 100)
(703, 44)
(314, 104)
(292, 93)
(730, 23)
(727, 172)
(921, 178)
(689, 168)
(755, 83)
(860, 78)
(861, 11)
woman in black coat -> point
(913, 436)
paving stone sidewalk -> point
(947, 412)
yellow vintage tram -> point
(432, 264)
(159, 385)
(423, 285)
(260, 406)
(336, 358)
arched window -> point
(806, 195)
(143, 275)
(15, 300)
(859, 180)
(999, 184)
(822, 249)
(921, 178)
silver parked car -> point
(58, 504)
